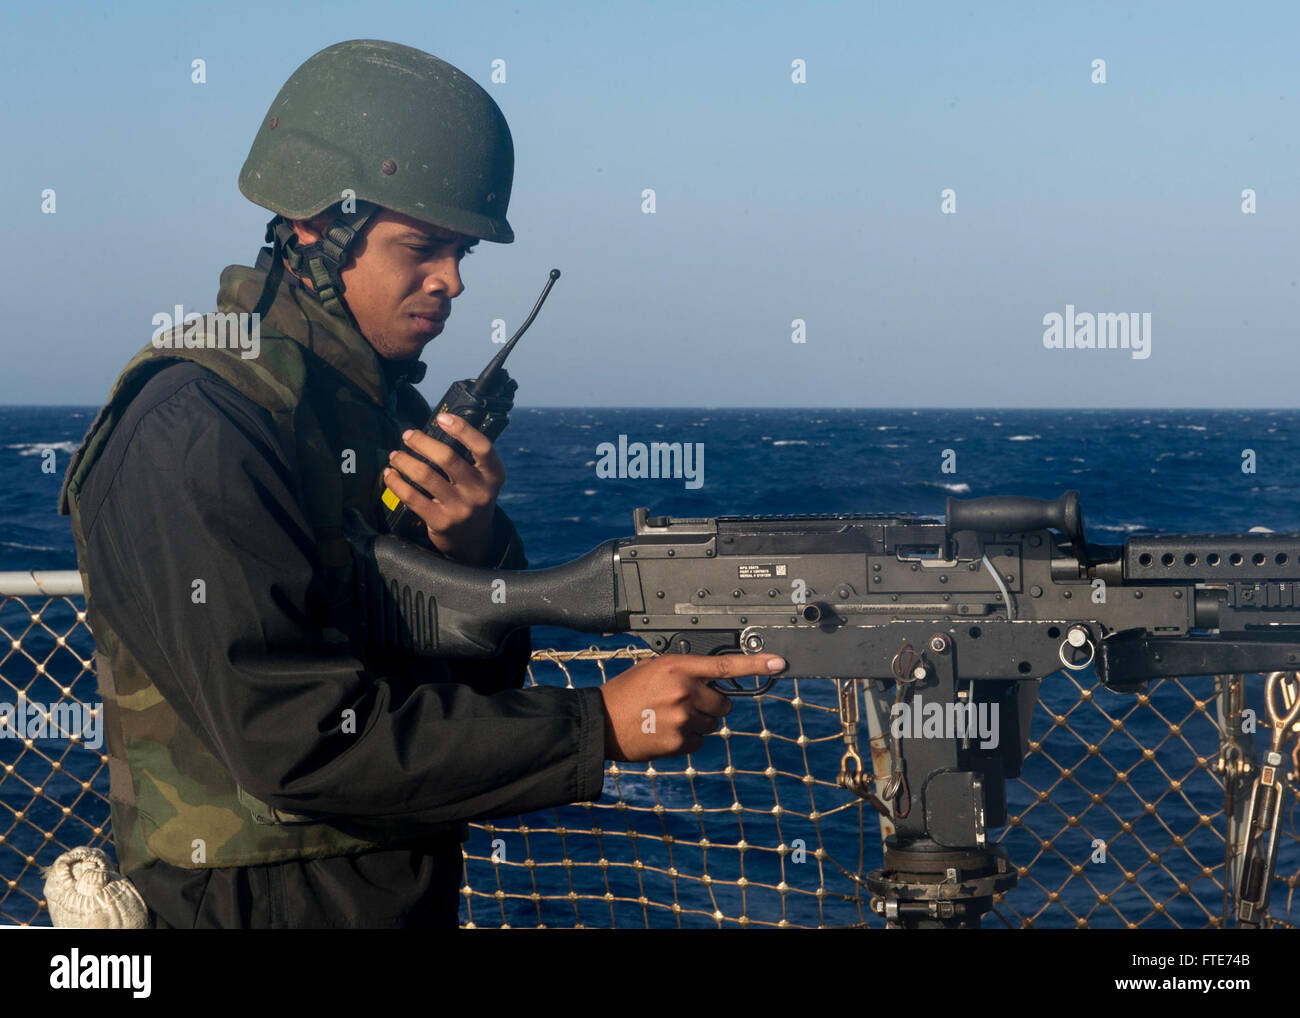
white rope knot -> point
(84, 891)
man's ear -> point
(309, 231)
(303, 228)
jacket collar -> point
(296, 313)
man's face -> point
(399, 280)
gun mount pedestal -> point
(953, 744)
(927, 886)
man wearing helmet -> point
(265, 769)
(400, 283)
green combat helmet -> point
(391, 126)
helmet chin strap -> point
(322, 262)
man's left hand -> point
(460, 515)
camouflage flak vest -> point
(171, 798)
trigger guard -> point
(736, 689)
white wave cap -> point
(84, 891)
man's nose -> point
(445, 278)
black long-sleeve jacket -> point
(193, 477)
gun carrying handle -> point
(1012, 514)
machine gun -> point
(958, 614)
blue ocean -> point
(1184, 471)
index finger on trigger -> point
(736, 666)
(726, 666)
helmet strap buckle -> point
(322, 261)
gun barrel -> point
(1206, 614)
(1182, 558)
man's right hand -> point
(665, 707)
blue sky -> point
(775, 201)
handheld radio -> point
(483, 401)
